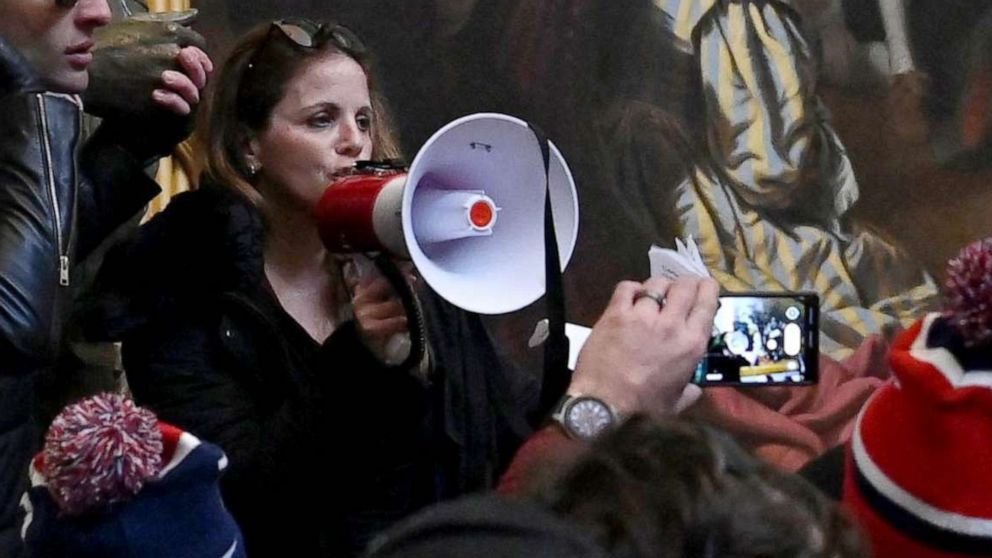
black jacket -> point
(54, 209)
(207, 347)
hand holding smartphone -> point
(762, 339)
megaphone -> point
(469, 212)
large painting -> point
(836, 146)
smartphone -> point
(763, 339)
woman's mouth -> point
(341, 173)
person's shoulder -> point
(211, 232)
(212, 206)
(204, 243)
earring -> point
(253, 167)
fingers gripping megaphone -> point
(469, 212)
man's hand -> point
(180, 90)
(139, 66)
(145, 81)
(641, 354)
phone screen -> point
(762, 339)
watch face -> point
(588, 417)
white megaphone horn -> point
(469, 213)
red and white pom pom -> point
(99, 451)
(969, 293)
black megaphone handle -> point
(415, 316)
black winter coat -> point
(324, 452)
(54, 209)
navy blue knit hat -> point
(97, 490)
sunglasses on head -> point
(310, 34)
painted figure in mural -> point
(770, 201)
(931, 57)
(767, 133)
(743, 158)
(724, 140)
(854, 53)
(779, 184)
(855, 59)
(55, 206)
(270, 349)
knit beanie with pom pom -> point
(113, 481)
(916, 475)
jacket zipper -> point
(63, 251)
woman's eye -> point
(364, 122)
(321, 120)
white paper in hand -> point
(693, 251)
(681, 262)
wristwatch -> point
(585, 417)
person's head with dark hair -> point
(295, 103)
(648, 489)
(55, 37)
(486, 525)
(682, 489)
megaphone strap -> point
(556, 375)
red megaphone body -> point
(362, 212)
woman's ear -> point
(250, 150)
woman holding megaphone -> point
(239, 326)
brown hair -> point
(250, 84)
(683, 490)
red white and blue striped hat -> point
(114, 481)
(918, 472)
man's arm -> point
(113, 188)
(641, 354)
(145, 82)
(639, 358)
(39, 134)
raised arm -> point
(40, 132)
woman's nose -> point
(351, 140)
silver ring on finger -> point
(653, 295)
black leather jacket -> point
(55, 207)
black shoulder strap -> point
(556, 373)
